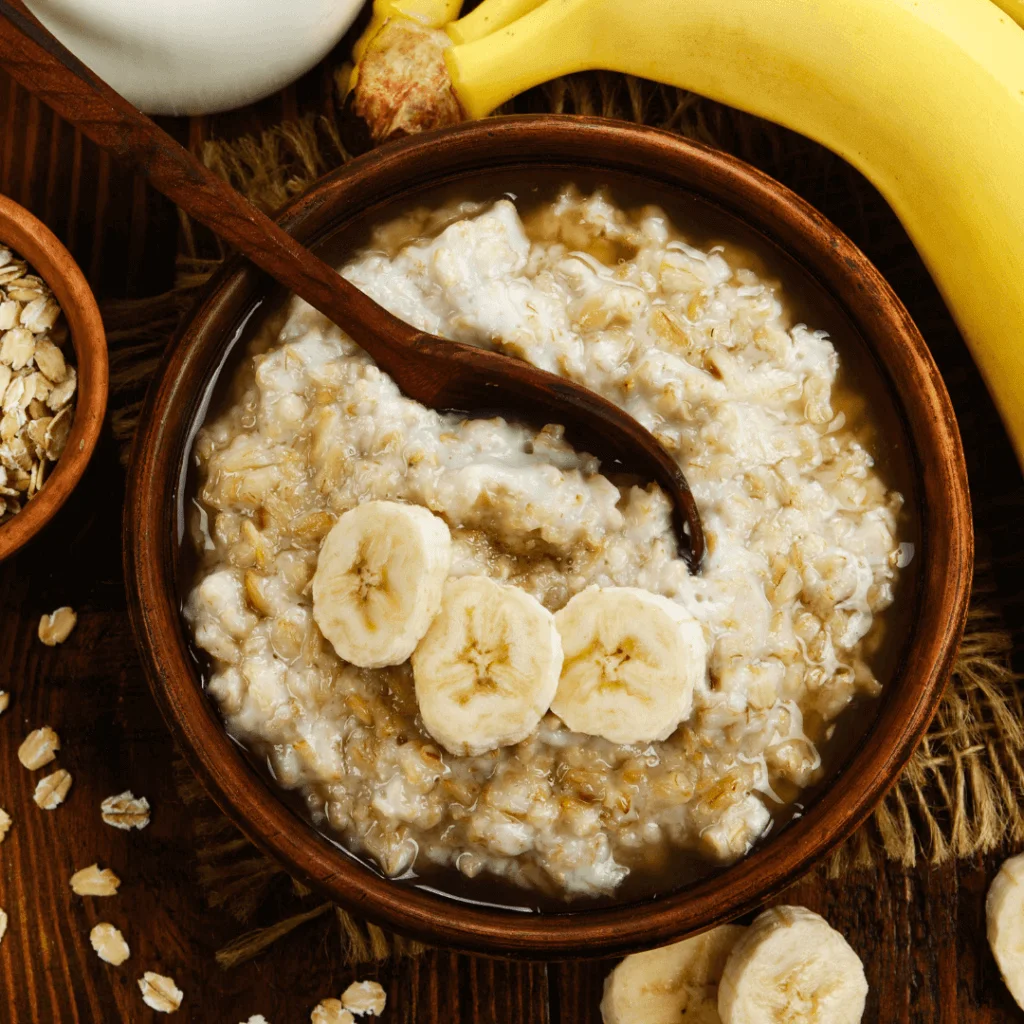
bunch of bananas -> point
(924, 97)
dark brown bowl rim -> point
(34, 242)
(911, 698)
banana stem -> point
(925, 99)
(490, 16)
(429, 13)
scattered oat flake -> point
(40, 747)
(330, 1011)
(257, 1019)
(3, 924)
(95, 881)
(56, 627)
(126, 811)
(109, 944)
(51, 791)
(160, 993)
(5, 701)
(364, 997)
(5, 824)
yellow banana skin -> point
(492, 15)
(924, 98)
(1014, 8)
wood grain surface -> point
(920, 931)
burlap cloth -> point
(958, 797)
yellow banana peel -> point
(926, 99)
(1014, 8)
(492, 15)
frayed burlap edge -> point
(957, 797)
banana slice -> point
(488, 667)
(1004, 910)
(632, 659)
(670, 985)
(379, 579)
(792, 965)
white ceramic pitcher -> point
(197, 56)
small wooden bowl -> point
(154, 529)
(34, 242)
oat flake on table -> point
(5, 700)
(109, 944)
(95, 881)
(3, 924)
(56, 627)
(52, 790)
(160, 993)
(39, 748)
(257, 1019)
(126, 811)
(364, 997)
(5, 824)
(330, 1011)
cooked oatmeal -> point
(801, 531)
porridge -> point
(783, 620)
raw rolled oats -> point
(51, 791)
(109, 944)
(330, 1011)
(3, 924)
(95, 881)
(126, 811)
(5, 824)
(364, 997)
(5, 700)
(256, 1019)
(56, 627)
(160, 993)
(36, 384)
(40, 747)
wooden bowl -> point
(153, 531)
(32, 240)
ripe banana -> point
(1004, 911)
(670, 985)
(926, 99)
(792, 965)
(378, 581)
(632, 660)
(488, 666)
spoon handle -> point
(31, 55)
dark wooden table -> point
(920, 931)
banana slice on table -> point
(670, 985)
(632, 659)
(1004, 910)
(792, 965)
(379, 579)
(488, 667)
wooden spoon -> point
(441, 374)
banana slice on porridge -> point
(632, 660)
(488, 667)
(379, 579)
